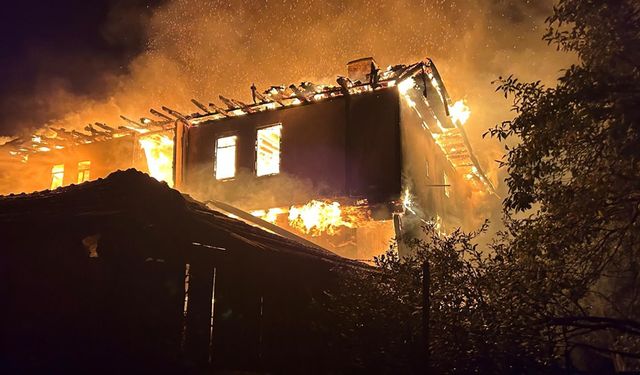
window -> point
(84, 171)
(225, 163)
(447, 187)
(268, 150)
(57, 176)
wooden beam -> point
(130, 121)
(299, 94)
(160, 114)
(202, 106)
(229, 103)
(219, 109)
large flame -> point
(158, 148)
(317, 217)
(459, 112)
(270, 215)
(406, 85)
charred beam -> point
(95, 132)
(105, 127)
(228, 102)
(275, 98)
(201, 106)
(244, 106)
(344, 84)
(219, 109)
(82, 136)
(130, 128)
(177, 114)
(254, 93)
(65, 134)
(373, 75)
(14, 142)
(261, 98)
(160, 114)
(299, 94)
(410, 71)
(130, 121)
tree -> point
(481, 319)
(563, 278)
(574, 185)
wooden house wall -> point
(105, 157)
(347, 146)
(66, 311)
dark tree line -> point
(559, 289)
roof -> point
(274, 97)
(135, 194)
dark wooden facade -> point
(347, 146)
(94, 278)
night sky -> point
(63, 44)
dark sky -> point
(62, 43)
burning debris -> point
(272, 98)
(316, 218)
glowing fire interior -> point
(268, 150)
(459, 112)
(158, 149)
(225, 164)
(84, 171)
(57, 176)
(316, 217)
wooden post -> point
(180, 133)
(426, 306)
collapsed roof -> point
(272, 98)
(365, 76)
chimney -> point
(360, 69)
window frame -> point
(235, 156)
(54, 173)
(281, 126)
(84, 172)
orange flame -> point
(460, 112)
(158, 149)
(317, 217)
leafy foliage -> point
(481, 317)
(573, 175)
(560, 287)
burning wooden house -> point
(124, 274)
(348, 166)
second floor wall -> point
(342, 147)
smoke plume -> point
(203, 48)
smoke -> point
(200, 49)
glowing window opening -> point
(268, 150)
(84, 171)
(447, 187)
(57, 176)
(225, 159)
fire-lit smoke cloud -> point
(200, 49)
